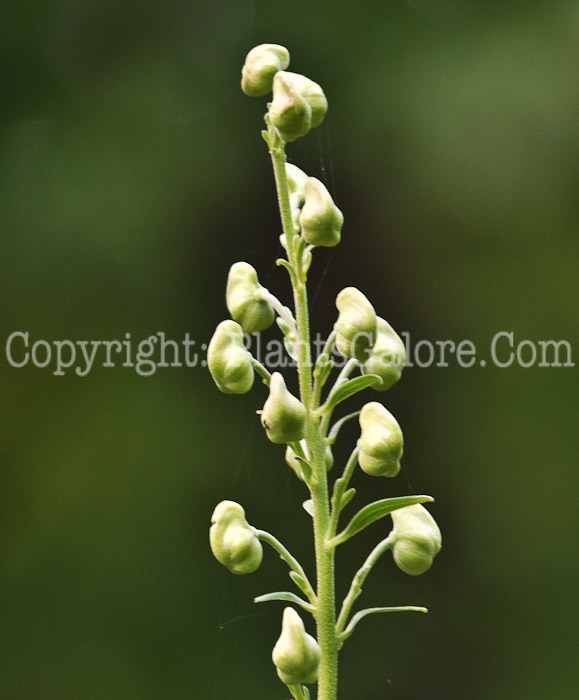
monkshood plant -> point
(369, 348)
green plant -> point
(366, 343)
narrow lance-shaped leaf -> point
(371, 611)
(346, 498)
(285, 596)
(374, 511)
(299, 581)
(338, 425)
(349, 388)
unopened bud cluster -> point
(372, 347)
(298, 103)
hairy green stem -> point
(325, 610)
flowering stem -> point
(325, 609)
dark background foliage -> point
(133, 175)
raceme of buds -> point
(229, 362)
(297, 465)
(296, 654)
(233, 540)
(320, 219)
(356, 324)
(244, 301)
(381, 442)
(261, 64)
(417, 539)
(387, 357)
(283, 416)
(290, 113)
(296, 180)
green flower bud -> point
(243, 297)
(417, 539)
(356, 324)
(387, 357)
(229, 362)
(290, 113)
(296, 654)
(283, 416)
(320, 219)
(297, 465)
(261, 64)
(233, 540)
(381, 442)
(296, 180)
(314, 96)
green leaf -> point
(375, 511)
(308, 506)
(371, 611)
(323, 371)
(349, 388)
(284, 263)
(346, 498)
(331, 439)
(306, 468)
(286, 596)
(299, 692)
(299, 581)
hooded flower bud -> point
(283, 416)
(296, 180)
(296, 654)
(297, 465)
(417, 539)
(356, 324)
(230, 363)
(387, 357)
(290, 113)
(261, 64)
(380, 442)
(314, 96)
(243, 297)
(233, 540)
(320, 219)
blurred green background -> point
(132, 176)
